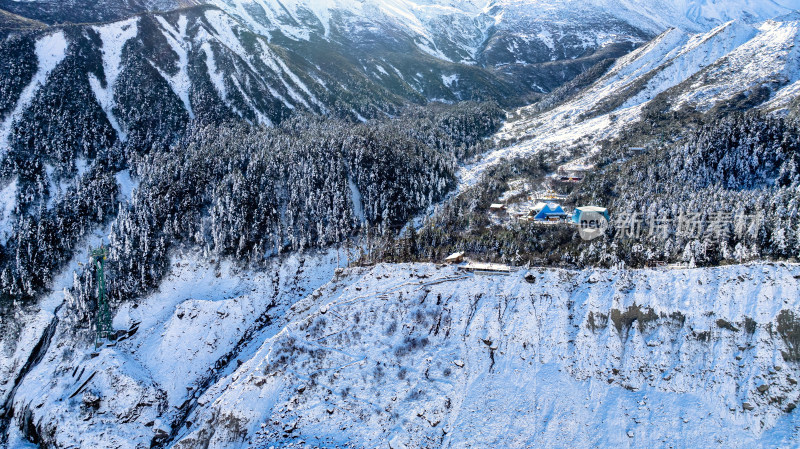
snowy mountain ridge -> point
(736, 64)
(702, 15)
(488, 32)
(463, 30)
(423, 356)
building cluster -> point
(546, 207)
(553, 213)
(541, 208)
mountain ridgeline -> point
(82, 11)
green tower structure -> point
(103, 327)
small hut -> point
(498, 208)
(455, 257)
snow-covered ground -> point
(425, 356)
(422, 356)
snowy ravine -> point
(425, 356)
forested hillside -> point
(724, 189)
(728, 191)
(71, 90)
(239, 191)
(193, 106)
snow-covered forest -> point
(239, 191)
(725, 189)
(735, 180)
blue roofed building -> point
(548, 212)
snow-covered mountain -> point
(504, 32)
(203, 64)
(83, 11)
(696, 15)
(229, 342)
(498, 32)
(407, 47)
(462, 31)
(736, 65)
(420, 356)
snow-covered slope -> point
(202, 63)
(735, 65)
(498, 32)
(50, 51)
(184, 337)
(425, 356)
(769, 60)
